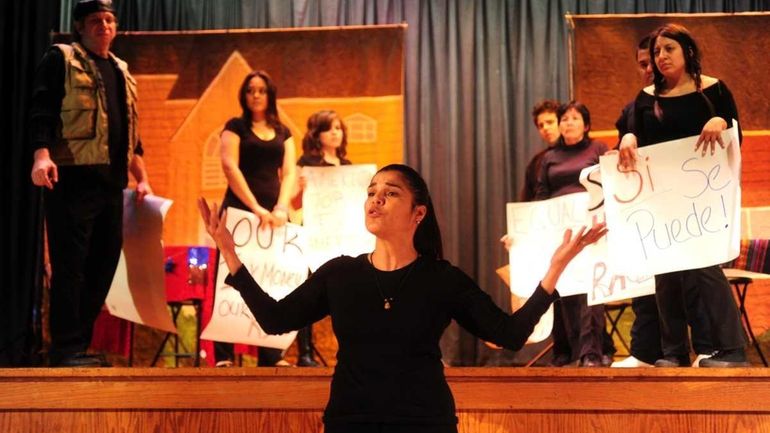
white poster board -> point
(607, 283)
(274, 257)
(537, 229)
(676, 210)
(138, 290)
(333, 212)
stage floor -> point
(292, 399)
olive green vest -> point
(84, 127)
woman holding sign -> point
(682, 103)
(255, 148)
(324, 145)
(390, 307)
(580, 332)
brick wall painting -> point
(188, 85)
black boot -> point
(305, 348)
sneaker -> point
(630, 362)
(726, 359)
(224, 364)
(283, 363)
(700, 357)
(673, 361)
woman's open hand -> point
(215, 225)
(216, 228)
(570, 247)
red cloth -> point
(111, 334)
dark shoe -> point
(591, 361)
(726, 359)
(560, 360)
(103, 360)
(305, 348)
(673, 361)
(82, 360)
(307, 360)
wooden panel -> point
(292, 400)
(188, 88)
(186, 421)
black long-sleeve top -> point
(529, 191)
(683, 115)
(625, 122)
(561, 166)
(389, 366)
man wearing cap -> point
(83, 128)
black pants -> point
(579, 329)
(389, 428)
(709, 284)
(84, 220)
(645, 331)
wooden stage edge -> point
(292, 399)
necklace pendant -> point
(387, 304)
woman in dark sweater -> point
(580, 332)
(389, 309)
(683, 103)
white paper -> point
(677, 210)
(138, 291)
(276, 261)
(537, 229)
(333, 212)
(607, 283)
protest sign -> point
(274, 257)
(608, 284)
(676, 210)
(333, 212)
(537, 229)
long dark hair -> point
(318, 122)
(580, 108)
(692, 60)
(271, 114)
(427, 237)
